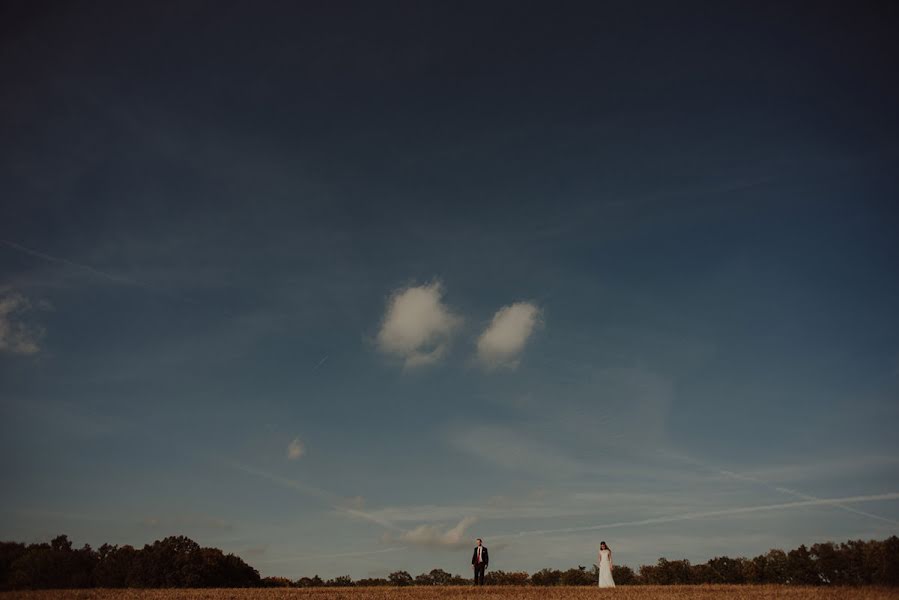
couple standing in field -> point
(480, 558)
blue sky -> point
(340, 290)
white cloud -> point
(296, 449)
(417, 325)
(508, 332)
(17, 337)
(432, 535)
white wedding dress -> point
(605, 569)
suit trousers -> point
(479, 573)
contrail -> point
(782, 490)
(75, 265)
(308, 490)
(330, 498)
(798, 494)
(711, 514)
(320, 363)
(96, 272)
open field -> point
(713, 592)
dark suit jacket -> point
(485, 558)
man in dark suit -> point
(479, 560)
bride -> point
(605, 566)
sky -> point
(340, 288)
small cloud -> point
(296, 449)
(435, 536)
(417, 325)
(16, 336)
(502, 342)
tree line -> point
(174, 562)
(178, 561)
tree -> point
(578, 576)
(315, 581)
(801, 568)
(878, 561)
(400, 578)
(624, 575)
(440, 577)
(61, 543)
(887, 571)
(500, 577)
(180, 562)
(53, 565)
(9, 553)
(723, 569)
(776, 570)
(114, 565)
(546, 577)
(166, 563)
(666, 572)
(829, 565)
(754, 570)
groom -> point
(479, 560)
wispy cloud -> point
(296, 449)
(110, 277)
(533, 506)
(778, 488)
(500, 345)
(789, 473)
(798, 494)
(712, 514)
(620, 408)
(436, 536)
(340, 504)
(74, 265)
(16, 335)
(506, 448)
(417, 325)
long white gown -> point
(605, 569)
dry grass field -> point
(716, 592)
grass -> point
(701, 592)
